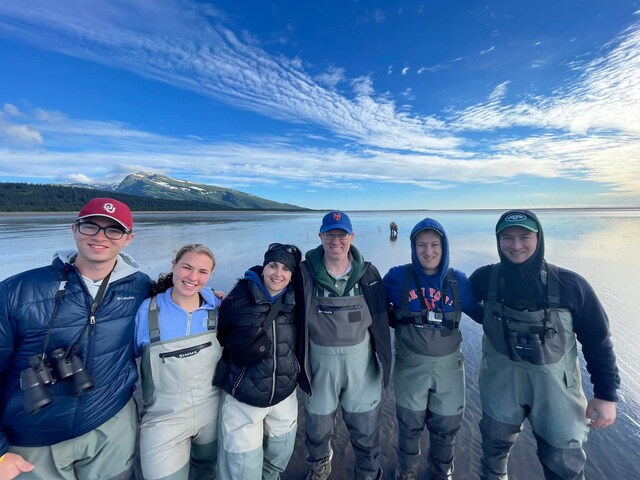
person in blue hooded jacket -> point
(427, 299)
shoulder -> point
(370, 275)
(396, 275)
(239, 294)
(460, 277)
(574, 287)
(480, 281)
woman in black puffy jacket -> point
(258, 372)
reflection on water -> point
(603, 246)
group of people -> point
(220, 372)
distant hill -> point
(157, 192)
(161, 186)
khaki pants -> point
(105, 453)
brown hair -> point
(165, 280)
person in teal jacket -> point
(427, 299)
(176, 338)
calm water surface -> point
(603, 246)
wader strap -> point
(405, 288)
(493, 283)
(423, 304)
(457, 308)
(551, 277)
(154, 323)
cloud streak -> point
(575, 132)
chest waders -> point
(530, 370)
(180, 417)
(344, 373)
(428, 377)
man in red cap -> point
(66, 359)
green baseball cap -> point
(517, 219)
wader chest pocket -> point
(184, 352)
(352, 312)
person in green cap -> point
(534, 316)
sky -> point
(447, 104)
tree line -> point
(28, 197)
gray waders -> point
(345, 373)
(179, 426)
(530, 370)
(428, 379)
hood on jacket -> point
(124, 267)
(523, 285)
(254, 276)
(430, 224)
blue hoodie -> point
(394, 281)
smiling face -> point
(275, 276)
(191, 273)
(517, 244)
(95, 251)
(336, 244)
(429, 250)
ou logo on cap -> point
(109, 208)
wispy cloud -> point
(588, 129)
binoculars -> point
(39, 375)
(526, 347)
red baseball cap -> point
(109, 208)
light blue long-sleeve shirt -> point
(175, 322)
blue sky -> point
(330, 104)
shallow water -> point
(602, 245)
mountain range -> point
(141, 191)
(158, 186)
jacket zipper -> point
(188, 323)
(274, 342)
(235, 385)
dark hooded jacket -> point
(520, 287)
(274, 378)
(437, 292)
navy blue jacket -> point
(394, 281)
(106, 348)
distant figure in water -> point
(393, 230)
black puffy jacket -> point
(275, 377)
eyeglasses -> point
(91, 230)
(330, 237)
(292, 249)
